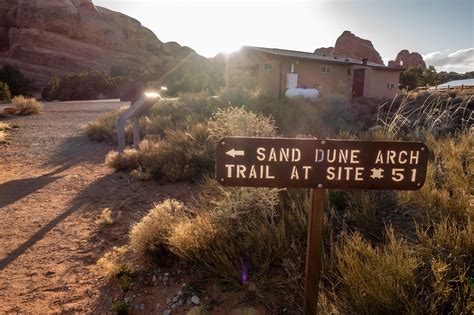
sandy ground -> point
(53, 188)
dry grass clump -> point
(448, 256)
(26, 105)
(151, 233)
(106, 217)
(113, 266)
(4, 128)
(3, 136)
(180, 155)
(432, 114)
(237, 121)
(104, 128)
(448, 187)
(127, 160)
(377, 280)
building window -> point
(267, 67)
(349, 71)
(390, 86)
(326, 69)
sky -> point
(440, 30)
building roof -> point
(465, 82)
(318, 57)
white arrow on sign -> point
(233, 153)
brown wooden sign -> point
(311, 163)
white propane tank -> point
(299, 92)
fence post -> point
(314, 249)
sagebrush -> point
(26, 105)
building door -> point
(358, 83)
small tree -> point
(5, 94)
(18, 84)
(50, 92)
(412, 78)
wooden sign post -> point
(320, 165)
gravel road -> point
(53, 188)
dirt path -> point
(53, 188)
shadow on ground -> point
(17, 189)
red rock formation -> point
(408, 60)
(324, 51)
(352, 46)
(52, 37)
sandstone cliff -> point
(53, 37)
(408, 60)
(352, 46)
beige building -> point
(276, 70)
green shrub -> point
(51, 91)
(18, 84)
(81, 86)
(26, 105)
(120, 307)
(5, 94)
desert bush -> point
(127, 160)
(151, 233)
(26, 105)
(80, 86)
(238, 229)
(237, 121)
(448, 256)
(186, 153)
(104, 127)
(189, 109)
(322, 117)
(377, 280)
(448, 187)
(179, 155)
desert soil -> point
(53, 187)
